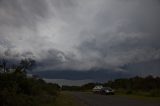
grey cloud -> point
(82, 35)
(22, 12)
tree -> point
(3, 65)
(26, 64)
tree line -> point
(146, 86)
(17, 89)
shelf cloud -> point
(81, 34)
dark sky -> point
(120, 35)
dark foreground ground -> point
(89, 99)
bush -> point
(129, 92)
(154, 93)
(18, 90)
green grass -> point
(140, 97)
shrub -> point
(154, 93)
(18, 90)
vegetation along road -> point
(89, 99)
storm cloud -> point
(81, 34)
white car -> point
(103, 90)
(97, 89)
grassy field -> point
(140, 97)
